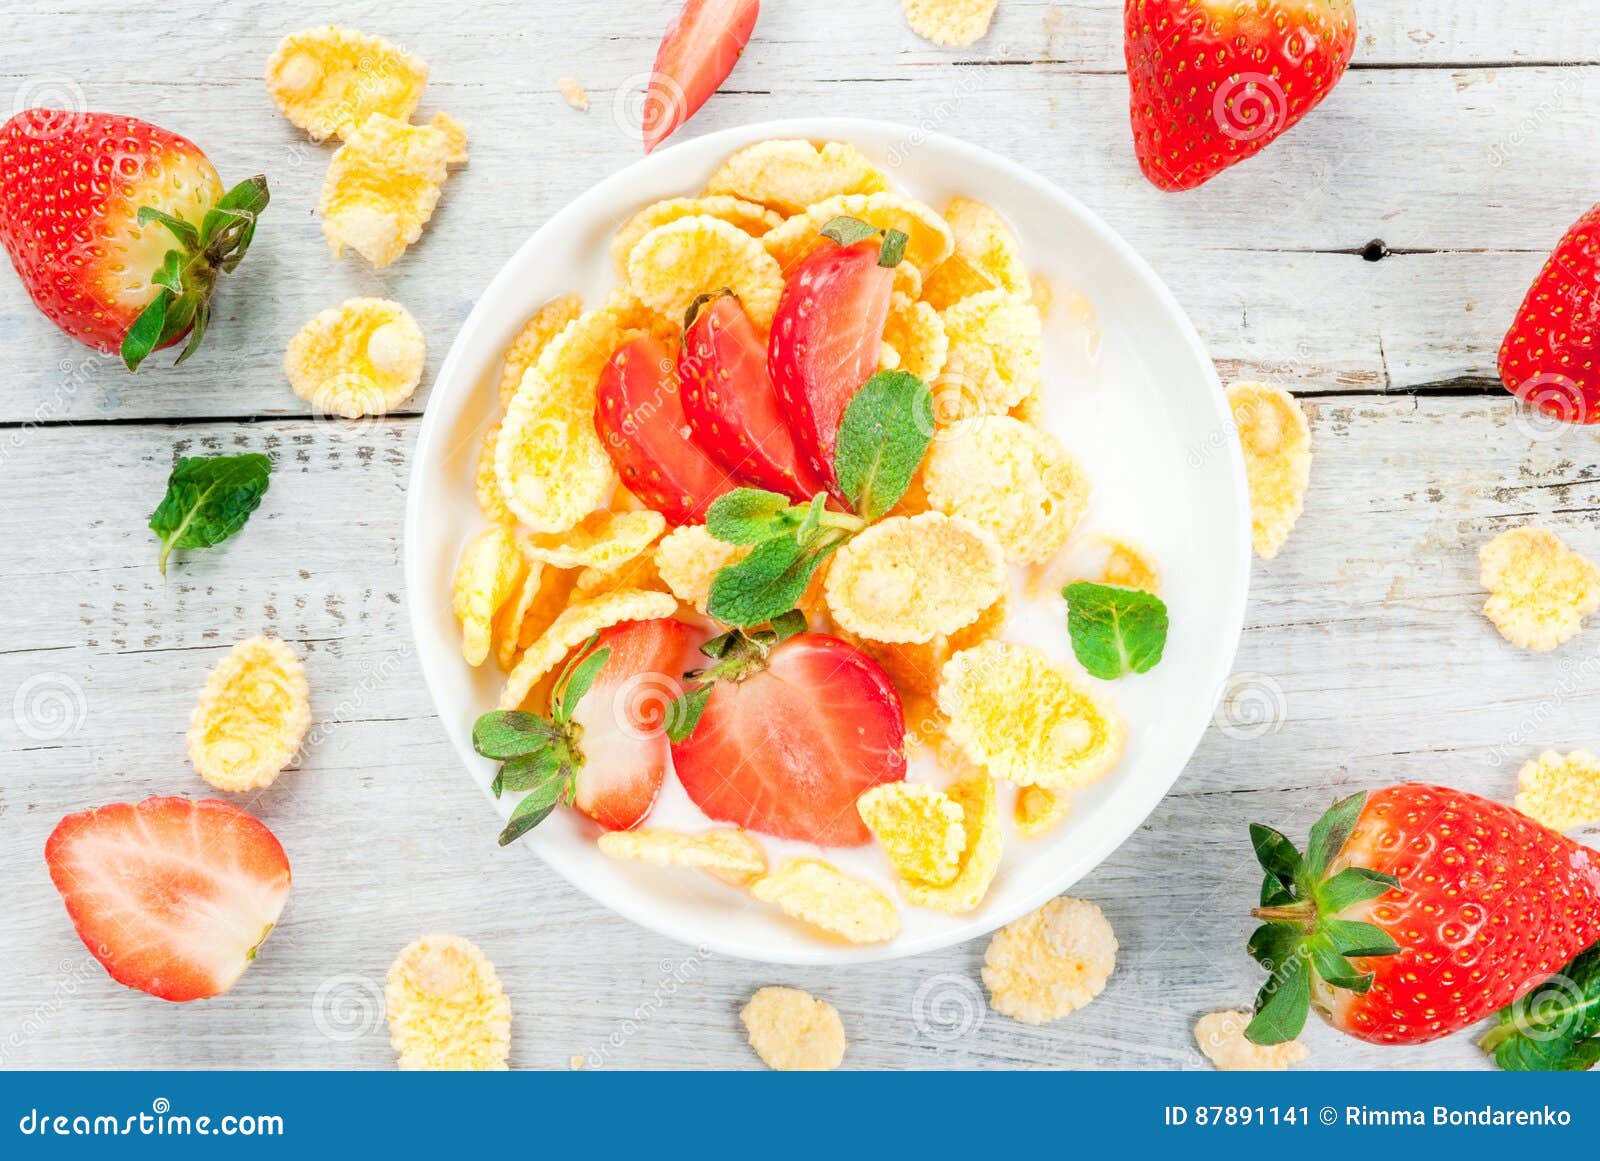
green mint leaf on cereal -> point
(751, 515)
(507, 734)
(883, 436)
(848, 231)
(208, 499)
(771, 580)
(1555, 1027)
(1115, 630)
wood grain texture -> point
(1460, 139)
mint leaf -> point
(770, 581)
(505, 734)
(1115, 630)
(1555, 1027)
(883, 436)
(208, 499)
(751, 515)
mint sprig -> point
(1555, 1027)
(208, 499)
(1115, 630)
(883, 435)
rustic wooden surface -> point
(1459, 138)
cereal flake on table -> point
(447, 1011)
(1051, 962)
(1539, 589)
(1221, 1037)
(1561, 791)
(793, 1031)
(1276, 442)
(362, 357)
(252, 716)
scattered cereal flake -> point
(980, 856)
(928, 239)
(820, 894)
(382, 186)
(329, 80)
(552, 468)
(1015, 481)
(252, 715)
(1051, 962)
(996, 355)
(1276, 441)
(951, 23)
(573, 93)
(547, 322)
(1539, 589)
(575, 1062)
(673, 263)
(506, 630)
(919, 828)
(603, 540)
(1038, 811)
(987, 256)
(576, 624)
(1024, 719)
(689, 559)
(910, 578)
(447, 1010)
(490, 502)
(793, 1031)
(1042, 292)
(362, 357)
(753, 219)
(1100, 558)
(489, 572)
(1562, 793)
(726, 849)
(455, 134)
(916, 333)
(1221, 1037)
(790, 175)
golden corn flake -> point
(987, 256)
(980, 856)
(557, 589)
(382, 186)
(888, 358)
(638, 573)
(1015, 481)
(603, 540)
(455, 134)
(915, 332)
(823, 896)
(1539, 589)
(928, 239)
(489, 572)
(1562, 793)
(1100, 558)
(1276, 441)
(1024, 718)
(790, 175)
(1221, 1037)
(1038, 811)
(672, 264)
(506, 631)
(729, 850)
(487, 488)
(576, 624)
(689, 559)
(573, 93)
(252, 715)
(1051, 962)
(547, 322)
(793, 1031)
(753, 219)
(363, 357)
(910, 578)
(951, 23)
(447, 1010)
(919, 828)
(329, 80)
(996, 355)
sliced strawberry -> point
(173, 896)
(698, 51)
(1551, 355)
(825, 342)
(790, 736)
(641, 423)
(730, 403)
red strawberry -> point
(698, 51)
(119, 229)
(1549, 357)
(1214, 81)
(1416, 911)
(173, 896)
(604, 746)
(730, 402)
(789, 732)
(641, 422)
(825, 341)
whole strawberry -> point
(118, 229)
(1415, 912)
(1549, 358)
(1214, 81)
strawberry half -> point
(1415, 912)
(173, 896)
(118, 228)
(729, 400)
(1214, 82)
(698, 51)
(1549, 357)
(603, 749)
(785, 731)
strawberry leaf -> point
(506, 734)
(1350, 886)
(883, 435)
(1329, 834)
(847, 231)
(1283, 1004)
(208, 499)
(1115, 630)
(684, 714)
(576, 682)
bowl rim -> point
(1107, 840)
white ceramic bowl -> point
(1145, 413)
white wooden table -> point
(1462, 137)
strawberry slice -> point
(641, 423)
(698, 51)
(825, 341)
(729, 400)
(173, 896)
(789, 734)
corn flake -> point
(911, 578)
(1562, 793)
(638, 573)
(987, 257)
(919, 828)
(1051, 962)
(489, 572)
(980, 856)
(950, 23)
(506, 631)
(928, 239)
(455, 134)
(487, 488)
(1539, 589)
(603, 540)
(996, 355)
(382, 186)
(823, 896)
(915, 332)
(1038, 811)
(329, 80)
(793, 1031)
(790, 175)
(753, 219)
(1221, 1037)
(363, 357)
(252, 716)
(573, 93)
(547, 322)
(689, 559)
(672, 264)
(727, 850)
(447, 1010)
(576, 624)
(1276, 441)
